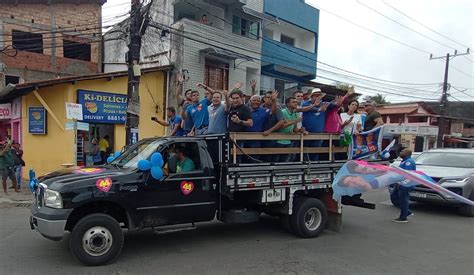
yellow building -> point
(48, 137)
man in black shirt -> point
(239, 114)
(374, 119)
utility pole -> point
(444, 97)
(138, 25)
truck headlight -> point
(460, 180)
(52, 199)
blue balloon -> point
(156, 159)
(156, 172)
(33, 185)
(117, 154)
(144, 165)
(110, 159)
(161, 163)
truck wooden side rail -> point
(300, 149)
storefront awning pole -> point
(45, 105)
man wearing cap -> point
(373, 119)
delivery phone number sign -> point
(100, 107)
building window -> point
(76, 50)
(27, 41)
(245, 27)
(11, 79)
(287, 40)
(216, 75)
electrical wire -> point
(285, 59)
(416, 21)
(404, 26)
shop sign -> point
(37, 120)
(6, 111)
(99, 107)
(73, 111)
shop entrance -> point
(84, 143)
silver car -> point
(453, 169)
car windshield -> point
(446, 159)
(137, 152)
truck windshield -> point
(142, 150)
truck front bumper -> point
(53, 230)
(49, 222)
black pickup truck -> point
(95, 205)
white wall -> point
(194, 61)
(303, 39)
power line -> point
(381, 91)
(421, 84)
(413, 19)
(405, 26)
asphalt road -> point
(435, 241)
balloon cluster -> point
(155, 165)
(112, 158)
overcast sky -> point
(354, 49)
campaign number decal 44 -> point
(186, 187)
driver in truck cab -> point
(185, 164)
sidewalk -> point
(23, 199)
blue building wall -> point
(278, 53)
(302, 15)
(295, 12)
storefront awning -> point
(260, 15)
(225, 54)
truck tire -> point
(97, 239)
(309, 217)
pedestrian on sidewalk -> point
(401, 194)
(18, 161)
(6, 165)
(104, 147)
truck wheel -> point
(97, 239)
(309, 217)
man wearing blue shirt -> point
(174, 122)
(198, 112)
(217, 114)
(402, 193)
(314, 116)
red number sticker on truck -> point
(187, 187)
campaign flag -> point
(366, 144)
(357, 176)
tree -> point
(378, 98)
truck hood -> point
(80, 177)
(438, 172)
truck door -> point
(191, 178)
